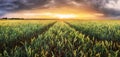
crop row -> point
(100, 30)
(13, 34)
(63, 41)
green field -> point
(59, 38)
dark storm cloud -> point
(13, 5)
(109, 7)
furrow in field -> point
(63, 41)
(59, 41)
(86, 35)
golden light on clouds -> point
(58, 13)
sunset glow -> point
(62, 16)
(58, 13)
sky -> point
(81, 9)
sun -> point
(65, 16)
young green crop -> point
(106, 30)
(60, 40)
(13, 32)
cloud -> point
(13, 5)
(113, 5)
(109, 7)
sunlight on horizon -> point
(59, 13)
